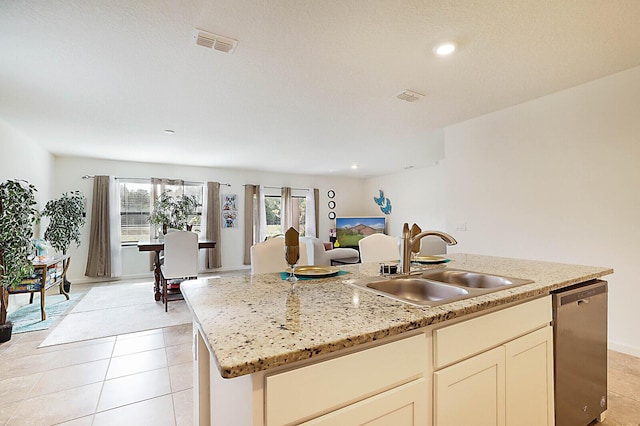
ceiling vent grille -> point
(215, 41)
(409, 96)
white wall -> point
(416, 195)
(24, 159)
(557, 179)
(68, 172)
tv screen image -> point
(350, 230)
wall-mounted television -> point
(350, 230)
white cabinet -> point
(507, 384)
(471, 392)
(384, 384)
(529, 379)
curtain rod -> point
(137, 178)
(276, 187)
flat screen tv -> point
(350, 230)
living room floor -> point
(146, 378)
(142, 378)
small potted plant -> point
(17, 216)
(172, 212)
(194, 221)
(162, 211)
(66, 216)
(185, 207)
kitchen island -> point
(255, 339)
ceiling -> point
(311, 85)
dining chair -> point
(180, 262)
(268, 256)
(318, 255)
(379, 248)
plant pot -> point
(5, 331)
(66, 285)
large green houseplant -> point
(172, 212)
(66, 216)
(17, 216)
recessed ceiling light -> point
(444, 49)
(169, 131)
(408, 167)
(354, 166)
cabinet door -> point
(405, 405)
(529, 379)
(471, 392)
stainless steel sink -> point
(437, 286)
(418, 290)
(471, 279)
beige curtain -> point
(99, 258)
(213, 259)
(316, 204)
(251, 219)
(287, 209)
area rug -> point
(28, 317)
(115, 309)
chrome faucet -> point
(409, 241)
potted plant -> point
(172, 212)
(194, 221)
(185, 207)
(17, 215)
(162, 211)
(66, 216)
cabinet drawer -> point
(467, 338)
(405, 405)
(309, 391)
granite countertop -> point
(253, 323)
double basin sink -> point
(439, 286)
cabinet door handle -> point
(583, 302)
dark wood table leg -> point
(64, 277)
(156, 276)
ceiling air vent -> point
(409, 96)
(215, 41)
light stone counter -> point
(254, 323)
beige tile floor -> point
(142, 378)
(146, 378)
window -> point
(299, 219)
(194, 189)
(273, 211)
(136, 204)
(135, 207)
(273, 208)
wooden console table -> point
(157, 246)
(46, 273)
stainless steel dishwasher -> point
(580, 353)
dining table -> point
(157, 246)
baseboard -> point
(91, 280)
(624, 349)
